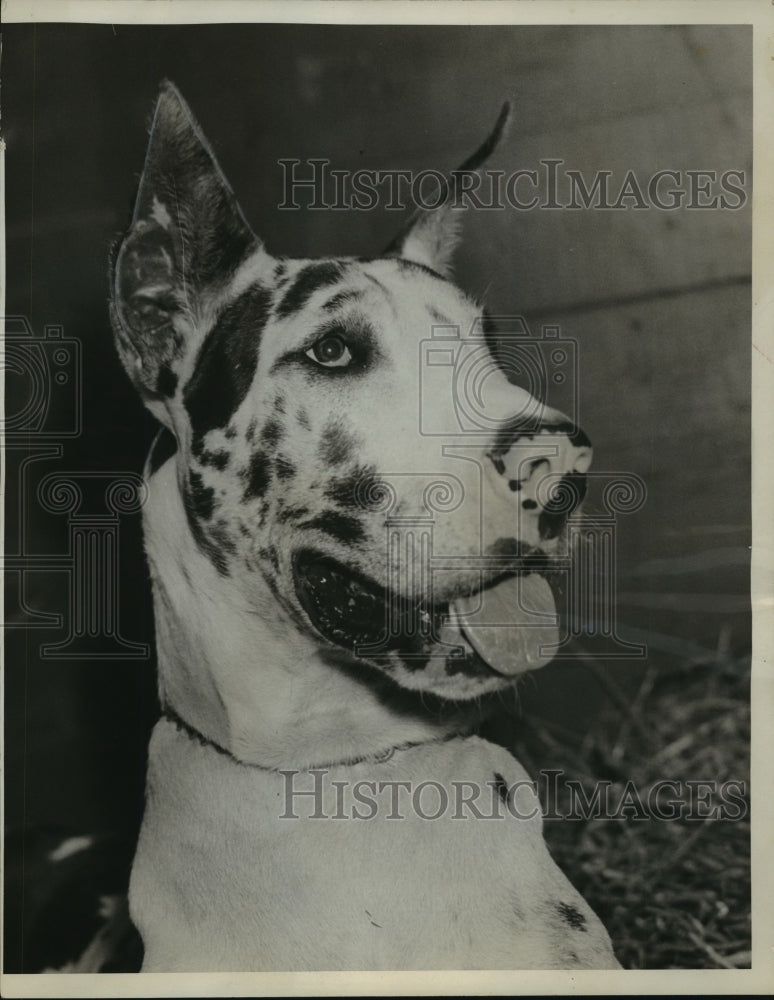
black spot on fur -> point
(292, 514)
(279, 404)
(340, 298)
(307, 281)
(250, 432)
(570, 491)
(342, 527)
(271, 433)
(501, 786)
(257, 476)
(529, 504)
(335, 445)
(514, 485)
(220, 536)
(230, 432)
(415, 662)
(573, 432)
(218, 459)
(164, 447)
(284, 468)
(342, 492)
(211, 549)
(508, 546)
(357, 491)
(226, 363)
(166, 383)
(201, 497)
(571, 916)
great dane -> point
(338, 594)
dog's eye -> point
(330, 351)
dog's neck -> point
(243, 675)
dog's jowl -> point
(345, 565)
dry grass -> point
(673, 894)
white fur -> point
(222, 882)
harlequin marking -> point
(515, 430)
(571, 916)
(257, 476)
(217, 459)
(271, 433)
(284, 468)
(291, 514)
(211, 548)
(508, 547)
(342, 527)
(340, 298)
(226, 364)
(359, 490)
(202, 498)
(555, 512)
(309, 280)
(220, 536)
(336, 445)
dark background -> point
(658, 302)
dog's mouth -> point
(509, 625)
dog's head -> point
(328, 453)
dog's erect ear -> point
(431, 234)
(187, 238)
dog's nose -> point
(543, 467)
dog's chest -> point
(373, 865)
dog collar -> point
(379, 757)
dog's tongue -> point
(511, 625)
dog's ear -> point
(187, 238)
(431, 235)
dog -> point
(337, 595)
